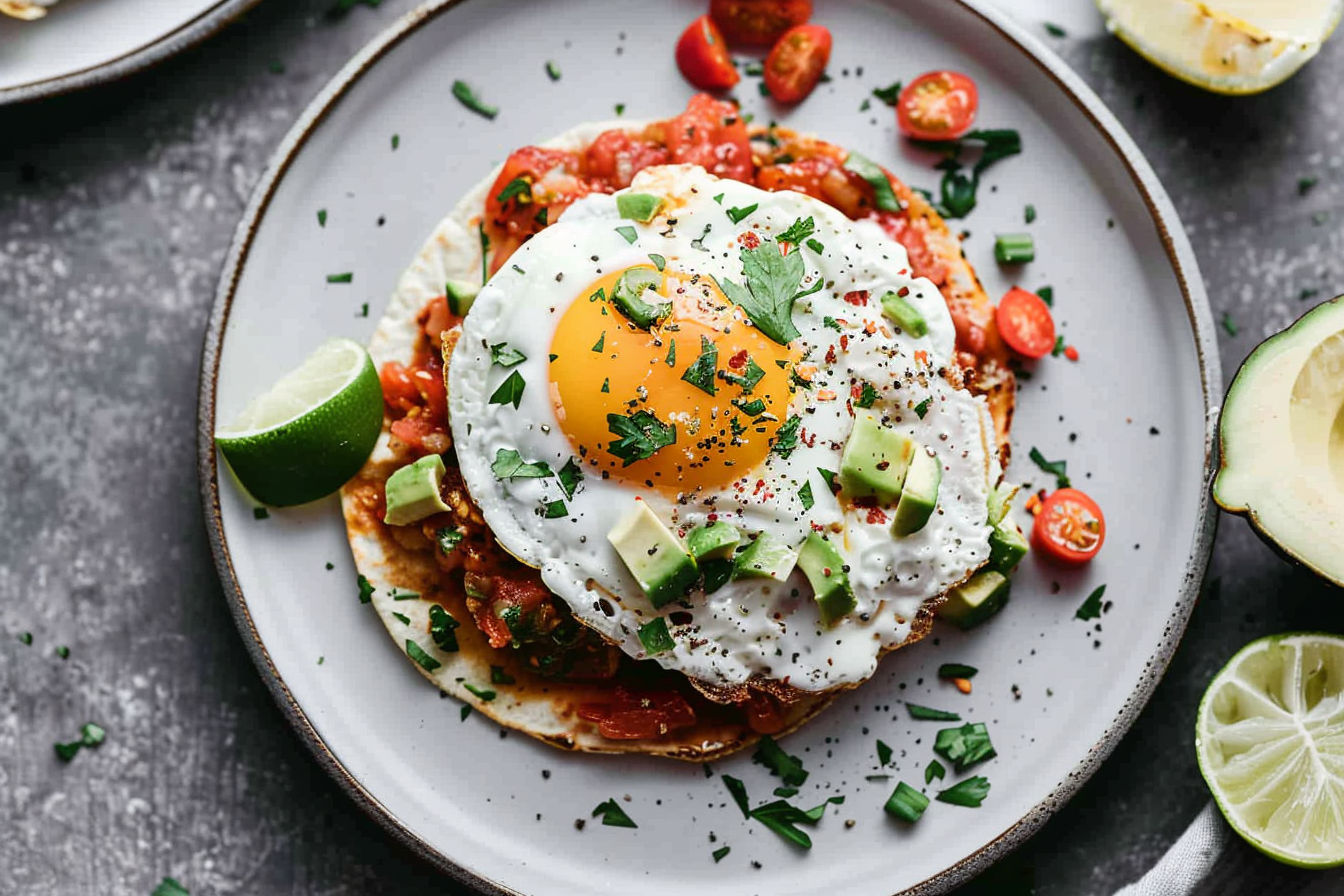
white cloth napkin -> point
(1188, 861)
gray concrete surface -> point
(115, 209)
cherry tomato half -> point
(1069, 527)
(758, 22)
(937, 106)
(1025, 323)
(797, 62)
(703, 57)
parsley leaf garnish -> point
(889, 94)
(739, 794)
(736, 215)
(798, 231)
(773, 284)
(956, 670)
(485, 695)
(719, 853)
(769, 754)
(467, 97)
(510, 391)
(553, 510)
(442, 627)
(169, 886)
(448, 538)
(786, 437)
(867, 396)
(613, 815)
(570, 476)
(748, 379)
(934, 770)
(923, 407)
(701, 373)
(1091, 608)
(970, 793)
(640, 436)
(423, 659)
(805, 496)
(519, 188)
(1055, 468)
(928, 714)
(552, 70)
(365, 589)
(816, 246)
(964, 746)
(504, 355)
(509, 464)
(883, 753)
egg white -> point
(751, 627)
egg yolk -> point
(702, 370)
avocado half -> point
(1282, 441)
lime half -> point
(1270, 743)
(311, 431)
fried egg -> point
(561, 407)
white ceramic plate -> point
(84, 42)
(1056, 692)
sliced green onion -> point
(906, 803)
(1014, 248)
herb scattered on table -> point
(1091, 607)
(613, 815)
(1056, 468)
(928, 714)
(466, 95)
(970, 792)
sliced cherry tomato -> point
(1025, 323)
(1069, 527)
(758, 22)
(534, 187)
(703, 57)
(937, 106)
(710, 134)
(797, 62)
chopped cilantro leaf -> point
(1029, 213)
(1091, 608)
(448, 538)
(520, 188)
(509, 464)
(505, 355)
(927, 714)
(889, 94)
(739, 794)
(935, 770)
(956, 670)
(321, 217)
(552, 70)
(867, 396)
(601, 342)
(169, 886)
(786, 437)
(671, 359)
(91, 735)
(736, 215)
(923, 407)
(753, 408)
(772, 756)
(797, 232)
(442, 628)
(346, 277)
(701, 373)
(1304, 185)
(1059, 347)
(1230, 325)
(553, 510)
(510, 391)
(1054, 30)
(570, 476)
(964, 746)
(1047, 294)
(63, 652)
(1056, 468)
(639, 436)
(970, 793)
(467, 97)
(719, 853)
(805, 496)
(485, 695)
(747, 380)
(365, 589)
(26, 638)
(396, 141)
(883, 753)
(816, 247)
(260, 513)
(773, 284)
(464, 712)
(613, 815)
(421, 657)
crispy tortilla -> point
(394, 561)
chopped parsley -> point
(260, 513)
(782, 817)
(753, 408)
(889, 94)
(906, 803)
(956, 670)
(505, 355)
(464, 712)
(570, 476)
(719, 853)
(830, 477)
(321, 217)
(831, 322)
(552, 70)
(601, 342)
(1047, 295)
(467, 97)
(520, 188)
(736, 215)
(1091, 608)
(738, 790)
(701, 373)
(1056, 468)
(748, 379)
(796, 232)
(628, 232)
(1054, 30)
(613, 815)
(928, 714)
(866, 168)
(883, 753)
(346, 277)
(553, 510)
(773, 284)
(639, 436)
(957, 190)
(923, 407)
(934, 770)
(442, 628)
(970, 793)
(510, 391)
(816, 246)
(90, 735)
(365, 589)
(606, 385)
(403, 594)
(786, 437)
(169, 886)
(396, 142)
(485, 695)
(1304, 185)
(867, 396)
(1230, 325)
(805, 496)
(402, 618)
(772, 756)
(63, 652)
(964, 746)
(26, 638)
(1029, 213)
(509, 464)
(499, 676)
(620, 108)
(671, 358)
(1059, 347)
(655, 637)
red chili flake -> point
(712, 517)
(844, 341)
(903, 291)
(876, 516)
(1071, 353)
(830, 355)
(922, 357)
(749, 239)
(808, 438)
(739, 360)
(817, 527)
(857, 297)
(856, 391)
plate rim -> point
(205, 24)
(1180, 257)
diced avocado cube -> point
(875, 460)
(716, 572)
(628, 295)
(905, 315)
(919, 494)
(654, 555)
(1007, 546)
(638, 206)
(976, 599)
(825, 569)
(413, 491)
(768, 556)
(461, 295)
(713, 541)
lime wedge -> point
(1270, 742)
(311, 431)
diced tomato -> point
(758, 22)
(639, 715)
(434, 318)
(711, 134)
(937, 106)
(910, 234)
(797, 62)
(399, 391)
(763, 713)
(512, 215)
(614, 158)
(414, 429)
(514, 602)
(801, 176)
(703, 57)
(1025, 323)
(1069, 527)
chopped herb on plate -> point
(1056, 468)
(906, 803)
(772, 756)
(964, 746)
(613, 815)
(970, 793)
(928, 714)
(467, 97)
(1091, 607)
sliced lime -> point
(1270, 742)
(311, 431)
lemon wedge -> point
(1226, 46)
